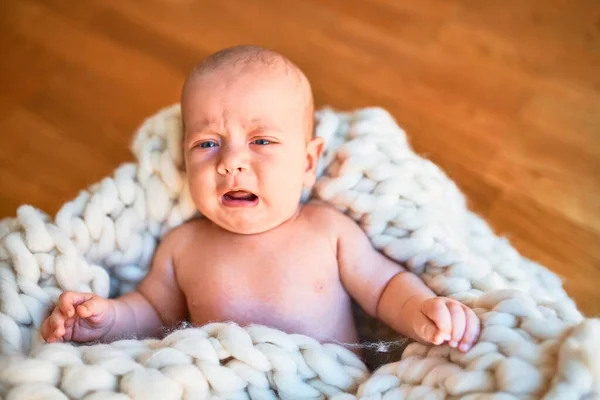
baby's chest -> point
(242, 286)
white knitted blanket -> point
(534, 343)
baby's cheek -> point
(201, 192)
(278, 177)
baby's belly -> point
(321, 311)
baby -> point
(260, 256)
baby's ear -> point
(314, 148)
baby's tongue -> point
(240, 195)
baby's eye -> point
(262, 142)
(206, 145)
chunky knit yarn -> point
(534, 343)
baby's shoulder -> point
(179, 237)
(328, 217)
(320, 212)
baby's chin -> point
(248, 221)
(241, 221)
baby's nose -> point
(232, 163)
(231, 171)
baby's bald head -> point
(248, 122)
(248, 60)
(244, 57)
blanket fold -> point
(534, 342)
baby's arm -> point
(157, 302)
(399, 298)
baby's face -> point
(247, 149)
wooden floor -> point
(505, 96)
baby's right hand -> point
(79, 317)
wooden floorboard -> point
(504, 97)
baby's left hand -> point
(441, 319)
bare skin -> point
(259, 256)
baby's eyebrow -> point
(251, 127)
(258, 124)
(254, 124)
(199, 126)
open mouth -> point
(239, 198)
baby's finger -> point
(430, 333)
(439, 314)
(90, 308)
(68, 300)
(45, 329)
(471, 330)
(57, 323)
(458, 322)
(54, 339)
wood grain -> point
(505, 97)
